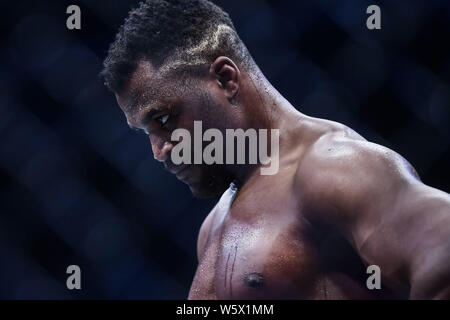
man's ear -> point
(227, 74)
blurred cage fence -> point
(78, 187)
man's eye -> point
(163, 119)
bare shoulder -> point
(374, 197)
(344, 149)
(340, 171)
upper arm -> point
(374, 197)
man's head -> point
(174, 62)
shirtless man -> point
(337, 204)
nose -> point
(161, 148)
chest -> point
(257, 248)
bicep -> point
(422, 222)
(410, 239)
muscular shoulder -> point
(344, 151)
(342, 172)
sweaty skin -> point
(265, 239)
(337, 204)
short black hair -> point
(177, 33)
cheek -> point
(209, 108)
(215, 116)
(204, 107)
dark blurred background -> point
(77, 186)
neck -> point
(264, 108)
